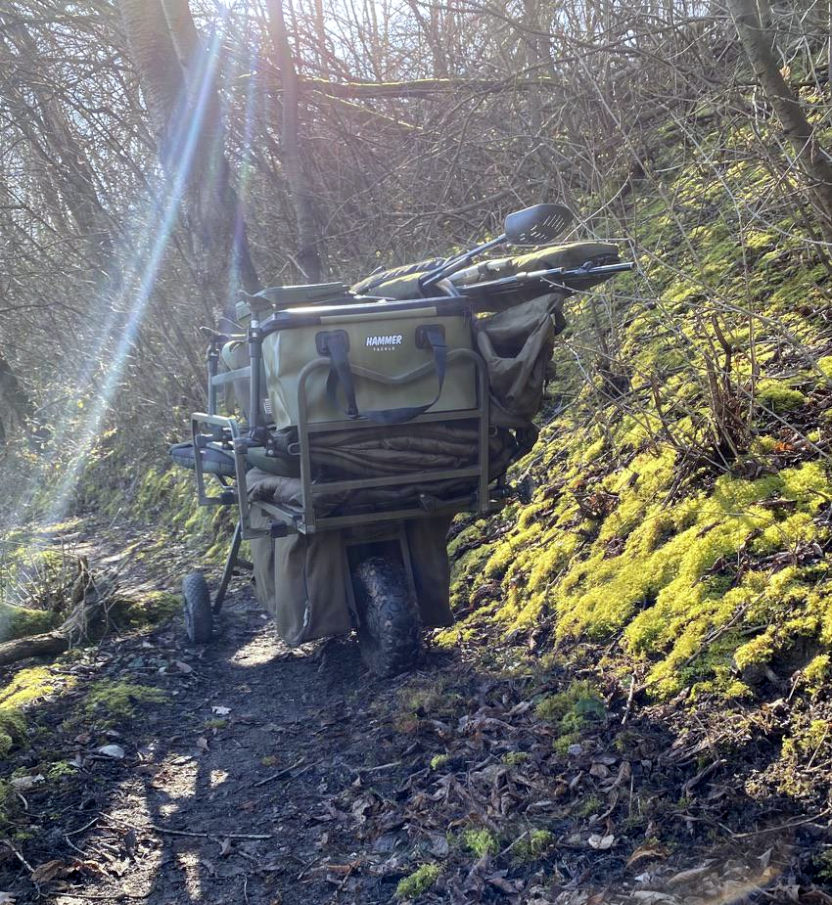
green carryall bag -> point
(385, 361)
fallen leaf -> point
(184, 667)
(692, 875)
(645, 853)
(601, 843)
(225, 847)
(6, 898)
(50, 870)
(24, 783)
(220, 711)
(507, 886)
(115, 751)
(202, 743)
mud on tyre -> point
(388, 616)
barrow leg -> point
(228, 571)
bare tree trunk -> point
(751, 20)
(17, 412)
(42, 119)
(308, 258)
(177, 78)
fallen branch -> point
(424, 87)
(90, 600)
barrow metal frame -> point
(210, 429)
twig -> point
(307, 868)
(19, 857)
(162, 829)
(783, 826)
(71, 844)
(286, 771)
(629, 706)
(86, 826)
(115, 895)
(395, 763)
(172, 832)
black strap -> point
(340, 373)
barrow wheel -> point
(197, 602)
(388, 621)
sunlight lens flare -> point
(119, 332)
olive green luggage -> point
(384, 361)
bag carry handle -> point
(336, 346)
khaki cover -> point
(403, 282)
(301, 580)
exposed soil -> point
(276, 776)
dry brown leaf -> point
(51, 870)
(645, 853)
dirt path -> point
(226, 790)
(249, 773)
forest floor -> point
(245, 772)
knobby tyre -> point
(388, 630)
(197, 604)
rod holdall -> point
(335, 344)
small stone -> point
(115, 751)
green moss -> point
(778, 396)
(108, 701)
(532, 847)
(480, 842)
(25, 688)
(825, 366)
(571, 711)
(19, 621)
(817, 672)
(588, 806)
(515, 758)
(151, 608)
(419, 882)
(59, 770)
(433, 698)
(807, 740)
(438, 761)
(683, 551)
(580, 702)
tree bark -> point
(47, 644)
(308, 257)
(751, 21)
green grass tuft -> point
(419, 882)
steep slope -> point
(682, 502)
